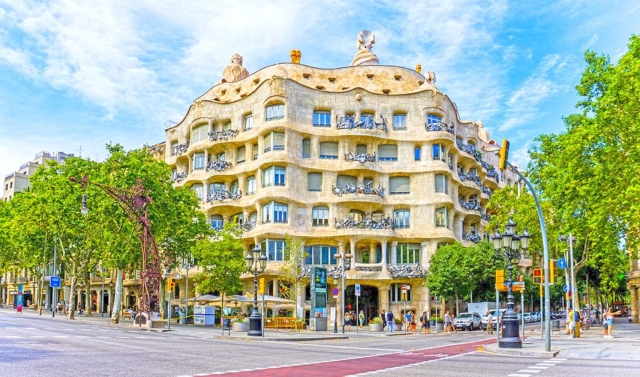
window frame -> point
(249, 184)
(276, 110)
(391, 192)
(316, 255)
(433, 119)
(405, 222)
(328, 156)
(383, 158)
(445, 183)
(400, 122)
(439, 152)
(445, 212)
(199, 161)
(309, 189)
(395, 292)
(407, 253)
(248, 120)
(323, 118)
(320, 216)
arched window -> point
(275, 112)
(248, 122)
(400, 122)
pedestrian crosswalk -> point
(537, 368)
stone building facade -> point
(367, 160)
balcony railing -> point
(470, 177)
(182, 148)
(469, 148)
(220, 195)
(179, 177)
(348, 122)
(471, 237)
(493, 173)
(10, 175)
(361, 158)
(223, 135)
(470, 205)
(350, 188)
(440, 126)
(218, 165)
(386, 223)
(486, 190)
(407, 270)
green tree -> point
(221, 260)
(292, 270)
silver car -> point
(468, 321)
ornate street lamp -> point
(256, 264)
(343, 274)
(512, 247)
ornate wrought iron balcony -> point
(182, 148)
(471, 237)
(471, 205)
(361, 158)
(180, 177)
(486, 190)
(469, 148)
(348, 122)
(218, 165)
(219, 195)
(223, 135)
(470, 177)
(366, 223)
(485, 216)
(440, 126)
(349, 188)
(493, 173)
(407, 270)
(248, 225)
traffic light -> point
(504, 154)
(537, 276)
(499, 278)
(171, 285)
(553, 265)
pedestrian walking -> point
(424, 320)
(489, 323)
(361, 318)
(383, 317)
(389, 321)
(19, 308)
(447, 322)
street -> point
(42, 346)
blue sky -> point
(80, 74)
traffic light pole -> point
(545, 246)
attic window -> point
(332, 79)
(397, 77)
(256, 80)
(306, 75)
(321, 87)
(223, 91)
(386, 91)
(420, 82)
(370, 75)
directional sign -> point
(357, 289)
(54, 282)
(562, 263)
(566, 288)
(335, 291)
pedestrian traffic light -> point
(504, 154)
(537, 276)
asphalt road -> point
(40, 346)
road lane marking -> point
(529, 371)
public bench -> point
(126, 315)
(282, 323)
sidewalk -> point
(208, 331)
(625, 344)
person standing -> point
(447, 322)
(489, 323)
(424, 320)
(347, 321)
(383, 317)
(390, 321)
(361, 318)
(608, 317)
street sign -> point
(516, 286)
(54, 282)
(404, 287)
(562, 263)
(566, 288)
(335, 292)
(357, 290)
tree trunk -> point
(115, 307)
(457, 309)
(72, 297)
(87, 293)
(40, 293)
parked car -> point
(495, 318)
(468, 321)
(527, 317)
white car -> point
(527, 317)
(495, 317)
(468, 321)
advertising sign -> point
(319, 292)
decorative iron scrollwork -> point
(220, 195)
(471, 237)
(182, 148)
(348, 122)
(440, 126)
(223, 135)
(493, 173)
(386, 223)
(179, 177)
(486, 190)
(407, 270)
(485, 216)
(218, 165)
(470, 177)
(350, 188)
(469, 148)
(248, 225)
(369, 269)
(361, 158)
(472, 205)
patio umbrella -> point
(205, 298)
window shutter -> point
(399, 184)
(343, 179)
(388, 150)
(278, 139)
(306, 147)
(361, 149)
(329, 148)
(241, 153)
(314, 181)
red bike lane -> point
(362, 364)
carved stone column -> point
(634, 303)
(383, 250)
(394, 246)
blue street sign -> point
(357, 289)
(54, 282)
(566, 288)
(562, 263)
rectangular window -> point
(321, 119)
(400, 122)
(320, 216)
(279, 176)
(399, 185)
(450, 159)
(442, 184)
(248, 122)
(280, 213)
(267, 177)
(363, 116)
(267, 213)
(408, 253)
(278, 141)
(388, 152)
(439, 152)
(416, 153)
(401, 218)
(306, 148)
(174, 148)
(314, 182)
(240, 155)
(255, 152)
(329, 150)
(217, 222)
(320, 255)
(473, 171)
(251, 185)
(361, 149)
(198, 161)
(433, 119)
(274, 249)
(275, 112)
(200, 133)
(442, 218)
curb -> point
(493, 348)
(260, 339)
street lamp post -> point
(574, 290)
(256, 263)
(342, 276)
(512, 247)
